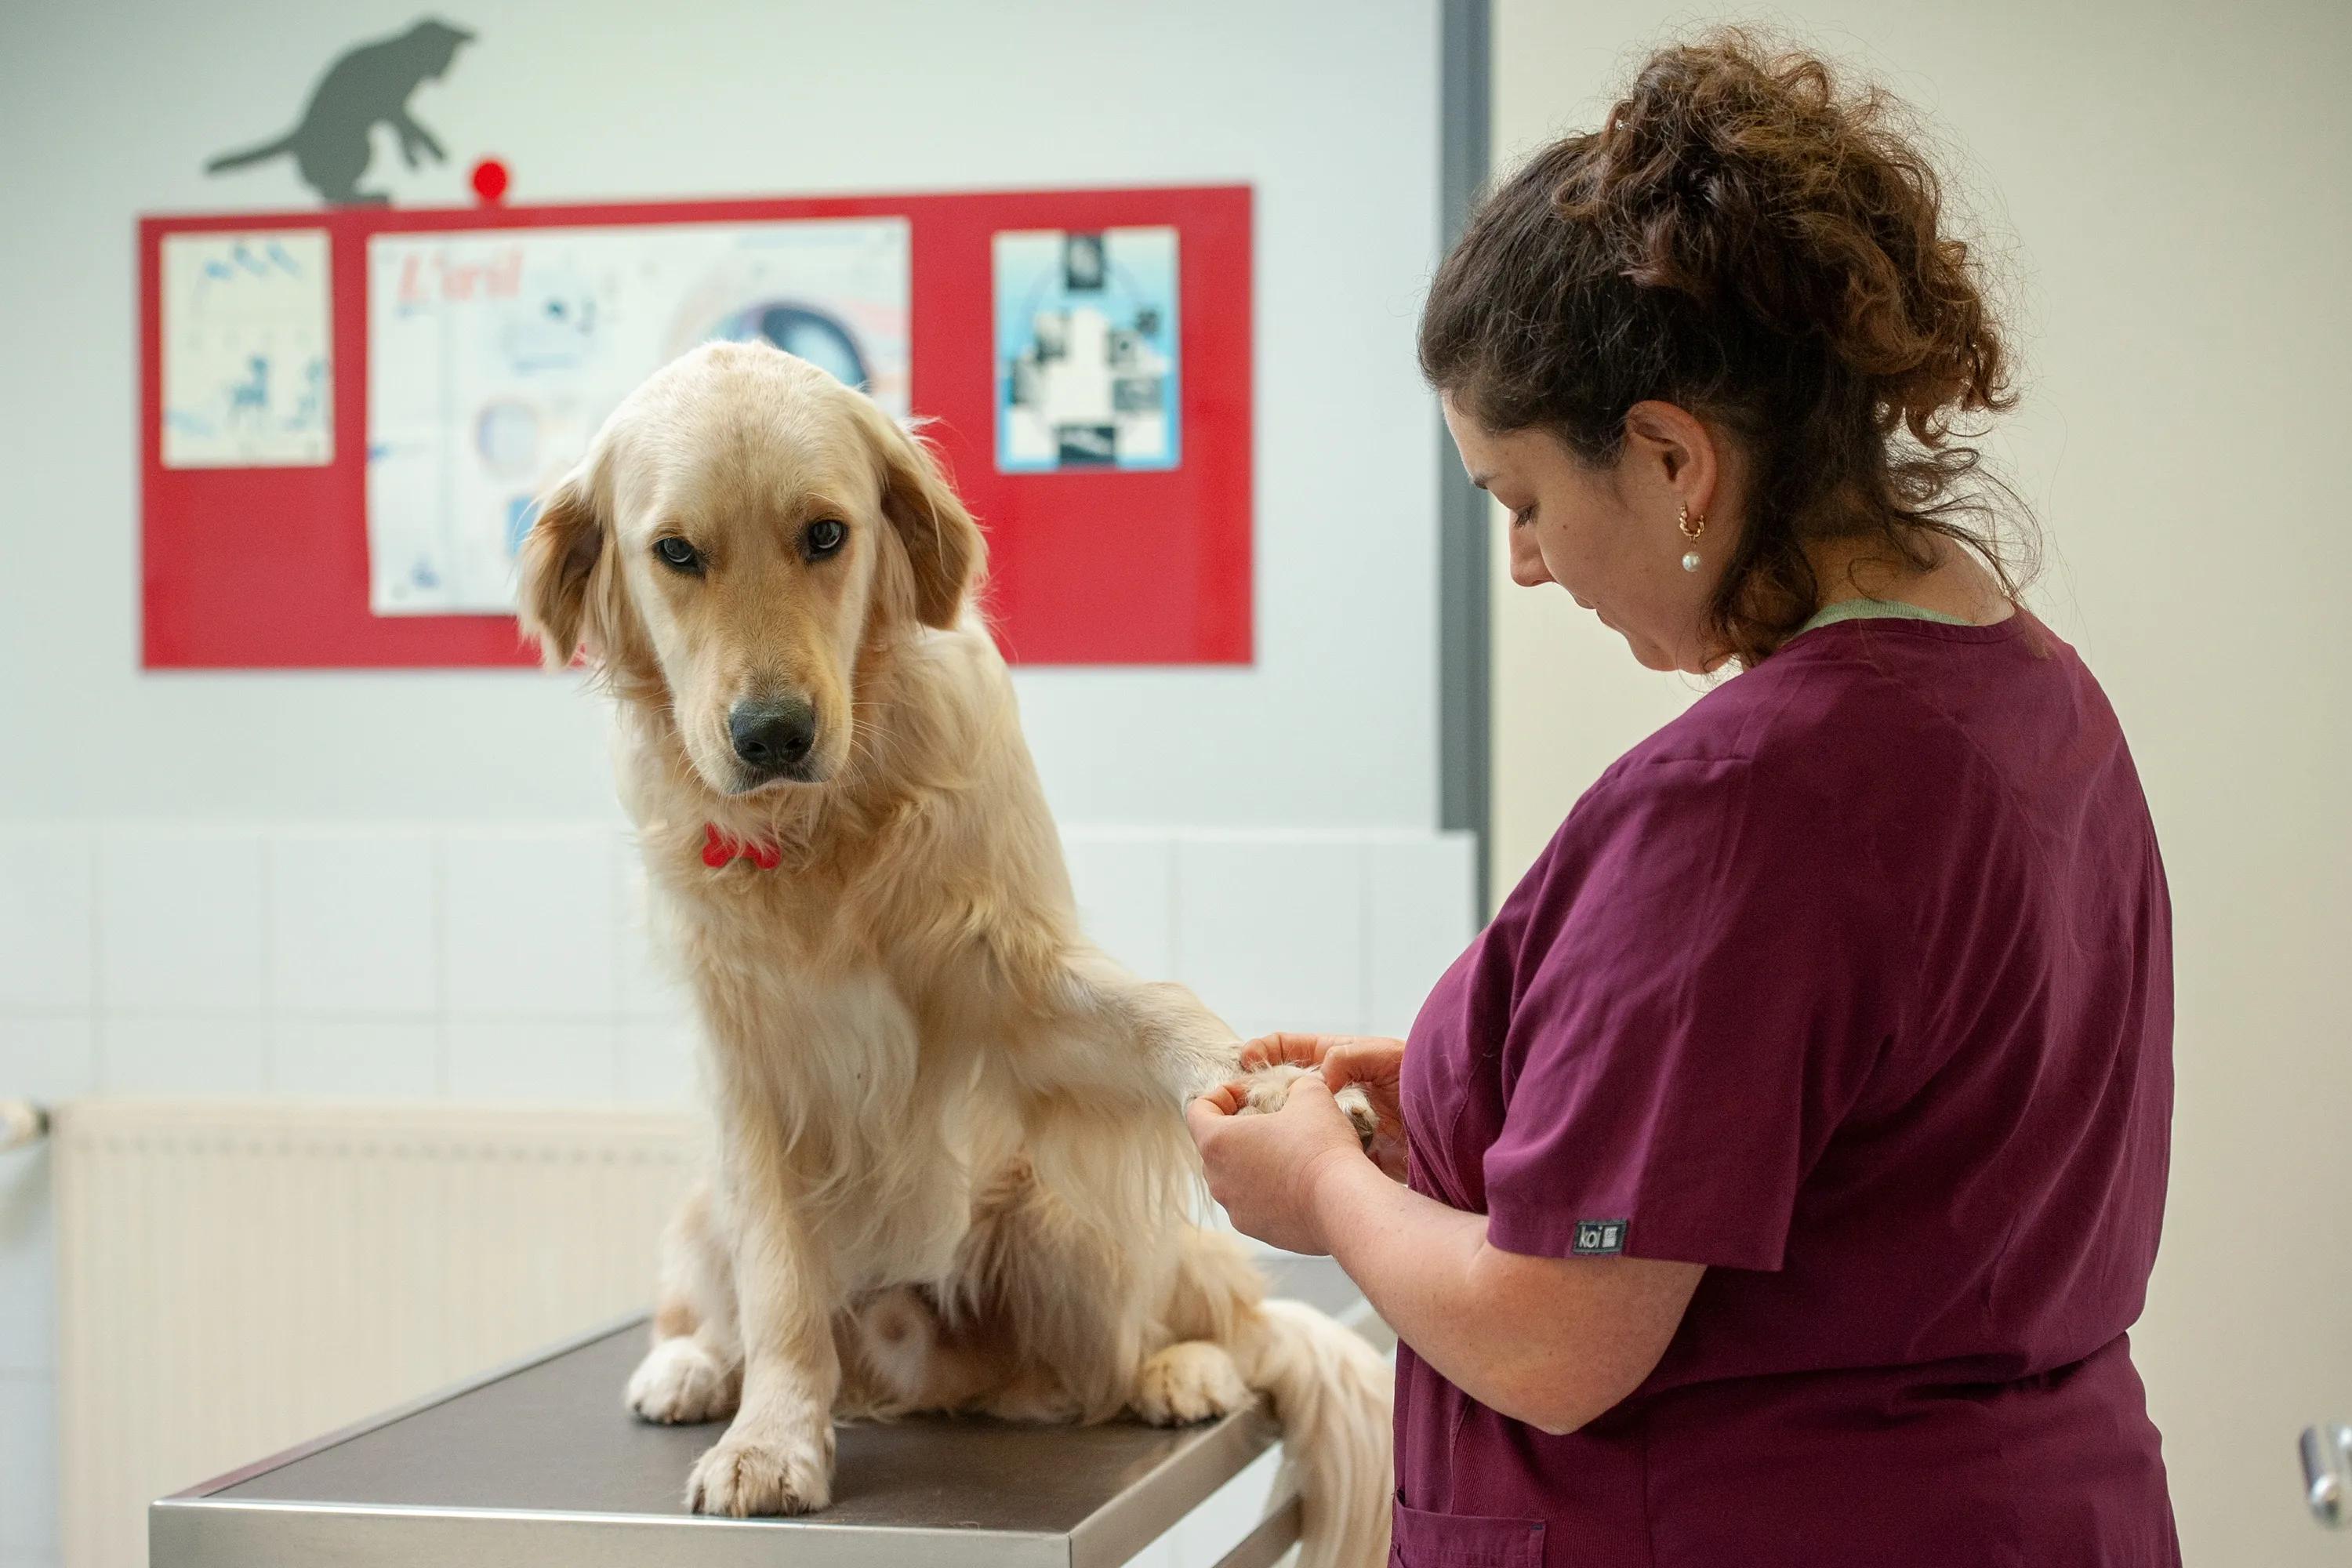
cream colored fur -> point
(952, 1171)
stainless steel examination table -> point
(538, 1465)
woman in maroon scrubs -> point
(1783, 1167)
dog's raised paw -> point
(680, 1383)
(1270, 1086)
(1191, 1380)
(1358, 1107)
(743, 1476)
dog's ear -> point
(565, 572)
(944, 544)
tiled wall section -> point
(509, 963)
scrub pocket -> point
(1423, 1540)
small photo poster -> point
(248, 356)
(494, 357)
(1088, 350)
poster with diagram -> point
(494, 357)
(247, 350)
(1087, 350)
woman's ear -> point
(563, 572)
(944, 544)
(1681, 450)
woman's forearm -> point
(1550, 1341)
(1416, 1260)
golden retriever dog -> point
(952, 1171)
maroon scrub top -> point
(1854, 984)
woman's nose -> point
(1527, 568)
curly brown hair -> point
(1747, 239)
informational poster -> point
(247, 350)
(1087, 349)
(494, 357)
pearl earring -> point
(1692, 527)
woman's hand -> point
(1264, 1168)
(1373, 1063)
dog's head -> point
(742, 529)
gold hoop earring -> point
(1692, 528)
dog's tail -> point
(1332, 1395)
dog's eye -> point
(823, 537)
(678, 554)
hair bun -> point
(1743, 177)
(1750, 242)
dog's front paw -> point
(1270, 1086)
(746, 1476)
(1191, 1380)
(680, 1382)
(1358, 1107)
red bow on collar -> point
(720, 850)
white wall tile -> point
(657, 1042)
(352, 922)
(354, 1058)
(1270, 929)
(527, 923)
(28, 1268)
(659, 1061)
(1421, 913)
(1125, 883)
(534, 1061)
(180, 920)
(151, 1056)
(48, 1059)
(47, 947)
(649, 985)
(28, 1468)
(29, 1255)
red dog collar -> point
(720, 850)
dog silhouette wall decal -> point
(369, 85)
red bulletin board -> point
(267, 568)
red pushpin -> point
(490, 181)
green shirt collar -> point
(1875, 609)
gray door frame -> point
(1465, 755)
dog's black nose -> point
(771, 736)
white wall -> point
(2167, 184)
(337, 883)
(112, 107)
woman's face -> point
(1612, 536)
